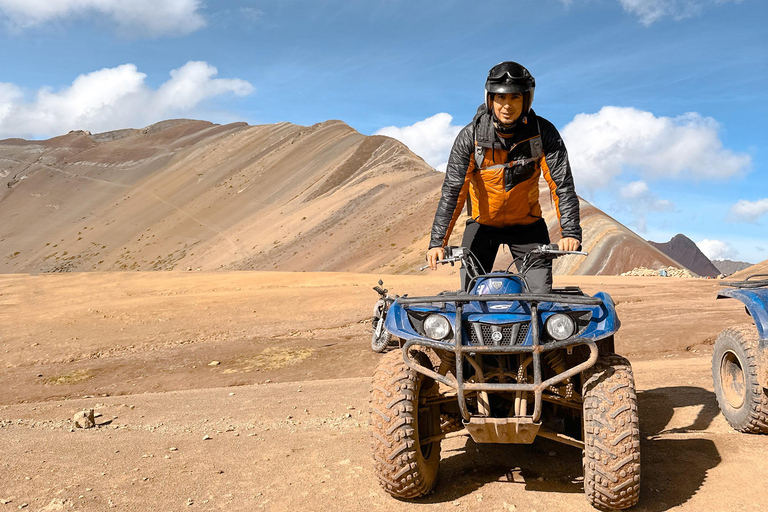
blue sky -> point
(662, 103)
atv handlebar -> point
(460, 254)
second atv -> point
(508, 366)
(740, 359)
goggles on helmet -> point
(511, 73)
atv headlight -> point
(437, 327)
(560, 326)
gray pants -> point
(484, 242)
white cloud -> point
(651, 11)
(634, 189)
(638, 201)
(717, 250)
(152, 18)
(431, 138)
(748, 211)
(602, 146)
(111, 98)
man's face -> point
(507, 107)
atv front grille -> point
(490, 335)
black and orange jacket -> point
(504, 189)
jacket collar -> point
(485, 132)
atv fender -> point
(756, 302)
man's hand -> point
(434, 254)
(568, 244)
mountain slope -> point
(685, 250)
(188, 194)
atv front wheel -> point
(405, 461)
(741, 397)
(611, 435)
(380, 338)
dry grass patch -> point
(72, 377)
(270, 358)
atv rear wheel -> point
(742, 399)
(611, 435)
(405, 465)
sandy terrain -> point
(285, 408)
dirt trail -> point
(305, 444)
(285, 430)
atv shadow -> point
(675, 461)
(542, 466)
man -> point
(494, 167)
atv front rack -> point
(536, 349)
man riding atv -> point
(507, 359)
(494, 167)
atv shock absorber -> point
(556, 359)
(521, 400)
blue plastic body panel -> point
(603, 321)
(756, 301)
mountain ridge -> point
(189, 194)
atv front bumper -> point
(536, 349)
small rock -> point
(24, 505)
(4, 502)
(231, 394)
(173, 449)
(84, 419)
(206, 437)
(214, 363)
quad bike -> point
(504, 365)
(740, 359)
(381, 338)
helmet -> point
(508, 78)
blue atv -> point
(504, 365)
(740, 359)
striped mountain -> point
(183, 194)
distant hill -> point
(757, 268)
(685, 250)
(184, 194)
(728, 267)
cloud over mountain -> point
(112, 98)
(614, 140)
(717, 249)
(431, 138)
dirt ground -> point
(249, 390)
